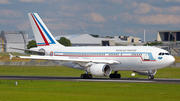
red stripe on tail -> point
(40, 31)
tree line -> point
(64, 41)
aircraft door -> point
(146, 55)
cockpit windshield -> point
(166, 53)
(163, 53)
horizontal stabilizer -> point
(27, 50)
(11, 56)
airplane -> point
(98, 60)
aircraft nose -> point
(171, 59)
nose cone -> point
(168, 60)
(171, 59)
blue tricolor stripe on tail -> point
(46, 42)
(47, 34)
(42, 34)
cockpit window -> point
(163, 53)
(166, 53)
(160, 53)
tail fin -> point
(42, 35)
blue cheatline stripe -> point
(52, 41)
(150, 56)
(149, 53)
(40, 43)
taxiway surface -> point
(95, 79)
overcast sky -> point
(102, 17)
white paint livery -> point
(42, 33)
(102, 60)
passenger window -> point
(162, 53)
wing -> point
(74, 59)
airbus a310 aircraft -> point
(99, 60)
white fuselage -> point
(99, 61)
(131, 58)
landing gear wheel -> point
(111, 76)
(90, 76)
(118, 75)
(150, 77)
(115, 75)
(82, 76)
(86, 76)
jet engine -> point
(149, 72)
(99, 69)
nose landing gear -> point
(150, 77)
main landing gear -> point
(150, 77)
(115, 75)
(86, 76)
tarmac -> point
(95, 79)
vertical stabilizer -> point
(42, 35)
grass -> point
(39, 71)
(33, 90)
(168, 72)
(5, 57)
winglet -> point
(11, 56)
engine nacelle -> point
(149, 72)
(99, 70)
